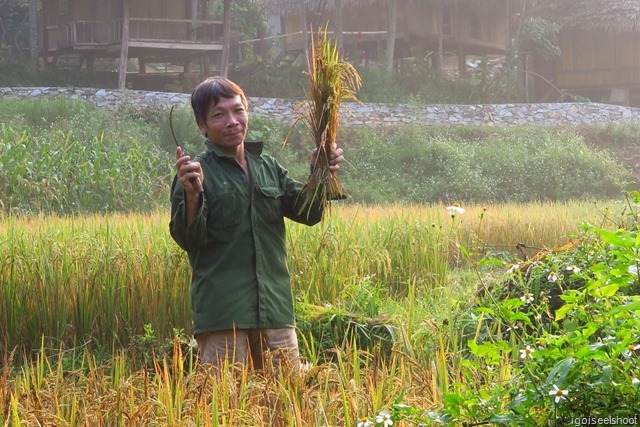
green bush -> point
(421, 164)
(569, 327)
(262, 79)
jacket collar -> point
(254, 148)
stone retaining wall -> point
(370, 115)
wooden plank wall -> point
(593, 59)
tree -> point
(14, 36)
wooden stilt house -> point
(600, 52)
(459, 28)
(150, 31)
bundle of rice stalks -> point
(332, 80)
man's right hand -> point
(189, 175)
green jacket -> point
(237, 243)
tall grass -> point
(79, 278)
(85, 283)
(172, 394)
(103, 278)
(60, 173)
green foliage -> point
(269, 80)
(83, 169)
(405, 164)
(295, 157)
(47, 113)
(543, 35)
(415, 83)
(15, 73)
(419, 164)
(380, 86)
(185, 128)
(577, 356)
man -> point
(227, 212)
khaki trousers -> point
(255, 347)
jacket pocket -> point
(224, 214)
(269, 199)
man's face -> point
(226, 124)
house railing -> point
(84, 33)
(175, 30)
(98, 33)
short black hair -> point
(210, 91)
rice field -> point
(81, 295)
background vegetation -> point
(65, 156)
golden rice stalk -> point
(332, 80)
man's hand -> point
(189, 174)
(336, 157)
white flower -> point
(455, 209)
(527, 351)
(573, 268)
(513, 328)
(635, 381)
(633, 269)
(527, 298)
(384, 418)
(558, 393)
(365, 423)
(630, 351)
(513, 268)
(552, 277)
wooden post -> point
(305, 34)
(392, 17)
(226, 38)
(338, 24)
(124, 46)
(33, 34)
(192, 13)
(439, 57)
(462, 61)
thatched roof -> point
(297, 6)
(613, 16)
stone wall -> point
(370, 115)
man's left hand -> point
(336, 157)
